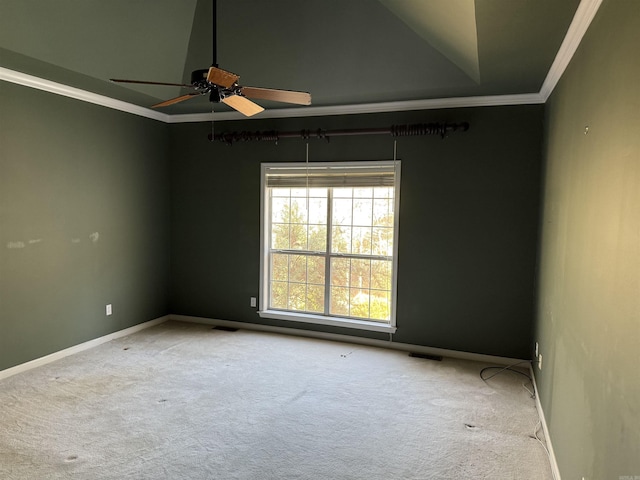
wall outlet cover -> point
(540, 362)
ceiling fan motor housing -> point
(214, 95)
(198, 76)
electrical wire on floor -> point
(544, 446)
(535, 435)
(511, 369)
(532, 393)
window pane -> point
(318, 210)
(318, 192)
(380, 305)
(280, 192)
(381, 274)
(339, 301)
(315, 270)
(361, 241)
(383, 192)
(358, 303)
(280, 210)
(297, 296)
(317, 238)
(363, 192)
(299, 192)
(315, 298)
(298, 237)
(343, 192)
(383, 213)
(280, 236)
(341, 239)
(382, 241)
(298, 268)
(280, 267)
(340, 268)
(342, 211)
(362, 212)
(279, 294)
(360, 273)
(298, 210)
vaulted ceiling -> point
(342, 52)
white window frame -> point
(265, 218)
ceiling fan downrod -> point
(214, 33)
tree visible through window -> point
(331, 245)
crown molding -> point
(38, 83)
(585, 13)
(384, 107)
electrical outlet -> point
(540, 362)
(253, 301)
(109, 310)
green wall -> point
(588, 321)
(468, 222)
(84, 221)
(163, 200)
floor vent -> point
(437, 358)
(225, 329)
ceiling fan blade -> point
(221, 77)
(287, 96)
(119, 80)
(242, 104)
(181, 98)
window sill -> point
(331, 321)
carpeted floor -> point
(185, 401)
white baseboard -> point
(552, 456)
(406, 347)
(23, 367)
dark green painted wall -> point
(588, 321)
(468, 222)
(84, 221)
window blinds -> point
(317, 175)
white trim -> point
(31, 81)
(552, 456)
(585, 12)
(265, 235)
(331, 321)
(397, 173)
(79, 348)
(579, 25)
(383, 107)
(23, 79)
(336, 337)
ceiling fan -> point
(222, 86)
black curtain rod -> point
(441, 129)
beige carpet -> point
(184, 401)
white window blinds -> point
(316, 175)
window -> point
(329, 243)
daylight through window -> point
(329, 242)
